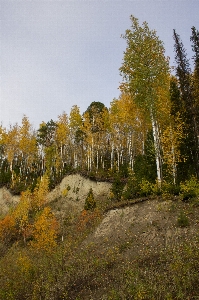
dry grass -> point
(121, 251)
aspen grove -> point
(150, 130)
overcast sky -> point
(58, 53)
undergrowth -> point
(78, 268)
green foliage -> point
(146, 188)
(94, 110)
(145, 165)
(188, 111)
(132, 188)
(189, 189)
(90, 203)
(117, 187)
(182, 220)
(46, 133)
(170, 188)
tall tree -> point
(94, 129)
(189, 147)
(46, 133)
(195, 47)
(195, 78)
(27, 146)
(75, 125)
(46, 139)
(11, 143)
(146, 76)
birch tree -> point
(75, 125)
(11, 142)
(62, 140)
(27, 147)
(145, 71)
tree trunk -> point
(157, 149)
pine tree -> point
(189, 147)
(90, 203)
(195, 78)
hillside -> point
(142, 250)
(71, 192)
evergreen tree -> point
(195, 78)
(195, 47)
(90, 203)
(189, 147)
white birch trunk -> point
(75, 160)
(131, 152)
(112, 155)
(90, 159)
(174, 167)
(11, 170)
(118, 159)
(97, 159)
(61, 151)
(157, 148)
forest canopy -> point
(152, 129)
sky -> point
(58, 53)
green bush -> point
(182, 220)
(146, 188)
(117, 187)
(170, 188)
(189, 189)
(90, 203)
(132, 188)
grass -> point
(82, 268)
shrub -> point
(90, 203)
(117, 187)
(182, 220)
(189, 189)
(146, 188)
(170, 188)
(7, 229)
(132, 187)
(88, 220)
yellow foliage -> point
(65, 192)
(11, 141)
(171, 139)
(24, 263)
(75, 118)
(27, 141)
(39, 196)
(62, 130)
(45, 231)
(21, 214)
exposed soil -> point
(147, 227)
(69, 194)
(140, 227)
(7, 200)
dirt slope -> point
(70, 193)
(147, 226)
(7, 200)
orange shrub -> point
(7, 229)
